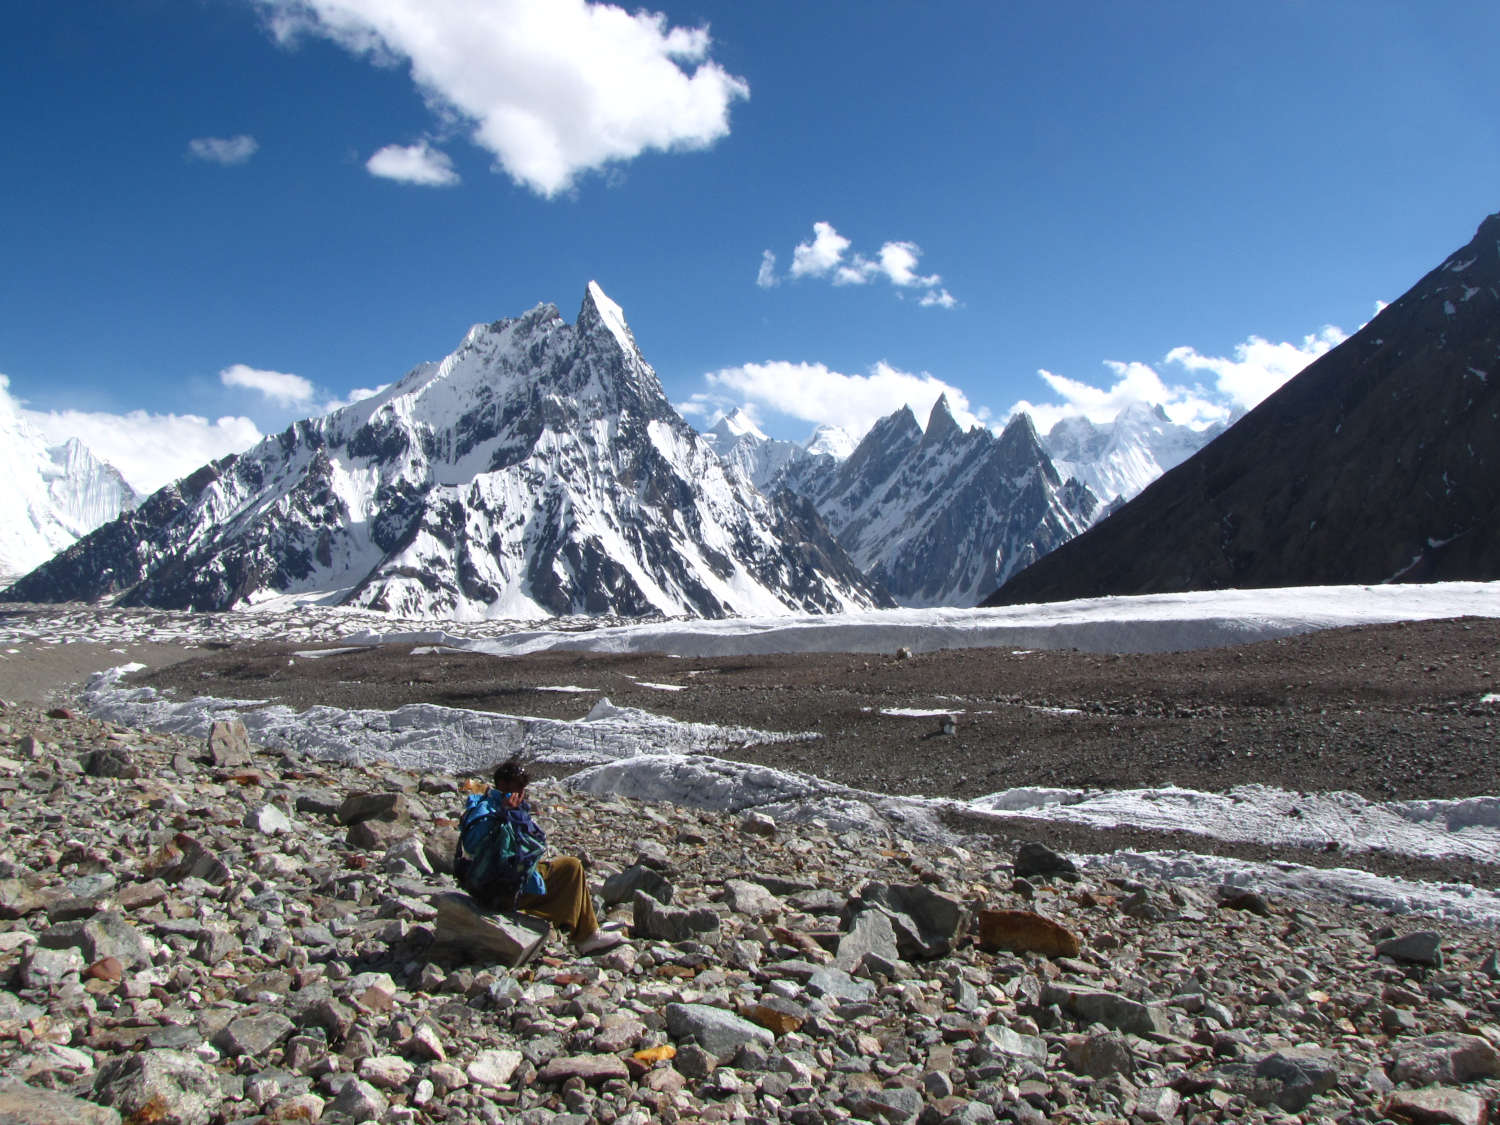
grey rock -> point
(1437, 1105)
(721, 1033)
(359, 1101)
(359, 807)
(510, 939)
(927, 923)
(253, 1036)
(650, 919)
(1101, 1054)
(1424, 947)
(1108, 1008)
(30, 1105)
(107, 934)
(268, 820)
(1003, 1040)
(838, 984)
(870, 933)
(637, 877)
(1292, 1079)
(171, 1087)
(1446, 1058)
(43, 968)
(744, 897)
(228, 744)
(1033, 859)
(900, 1105)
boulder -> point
(228, 744)
(1110, 1009)
(1436, 1105)
(510, 939)
(1424, 947)
(1033, 859)
(651, 919)
(1446, 1057)
(637, 877)
(1023, 931)
(160, 1085)
(927, 923)
(719, 1032)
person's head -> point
(511, 776)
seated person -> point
(515, 877)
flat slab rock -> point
(510, 939)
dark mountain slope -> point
(1380, 462)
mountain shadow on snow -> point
(1379, 462)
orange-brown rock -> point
(1021, 931)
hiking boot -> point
(598, 942)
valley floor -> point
(1395, 712)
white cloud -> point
(813, 393)
(1240, 382)
(413, 164)
(149, 449)
(223, 150)
(358, 394)
(819, 256)
(823, 256)
(766, 278)
(1258, 366)
(552, 88)
(278, 386)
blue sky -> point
(203, 195)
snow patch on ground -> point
(1466, 829)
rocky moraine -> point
(211, 932)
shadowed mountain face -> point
(538, 470)
(1380, 462)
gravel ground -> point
(1393, 711)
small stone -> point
(592, 1069)
(253, 1036)
(491, 1069)
(758, 824)
(359, 1101)
(390, 807)
(268, 820)
(386, 1072)
(1157, 1104)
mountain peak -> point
(941, 425)
(598, 311)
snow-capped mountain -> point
(53, 494)
(1120, 458)
(742, 446)
(538, 470)
(1378, 462)
(938, 515)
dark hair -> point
(511, 776)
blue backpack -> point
(497, 853)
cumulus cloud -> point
(1239, 382)
(150, 450)
(223, 150)
(766, 277)
(896, 262)
(551, 88)
(814, 393)
(358, 394)
(413, 164)
(818, 256)
(278, 386)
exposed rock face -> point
(941, 516)
(1380, 462)
(538, 470)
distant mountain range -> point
(52, 495)
(538, 470)
(1379, 462)
(942, 515)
